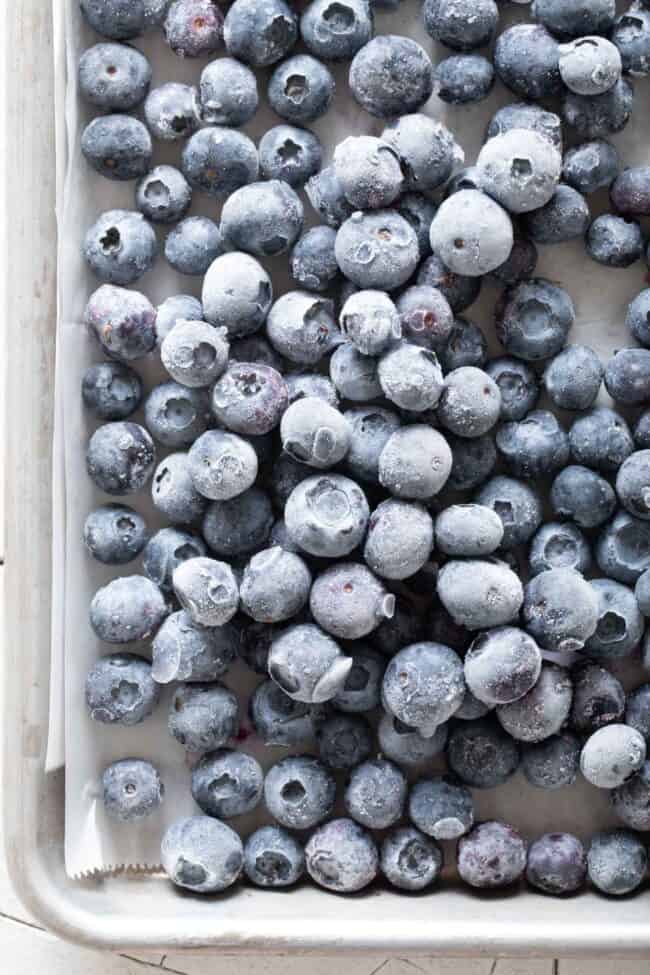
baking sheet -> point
(93, 844)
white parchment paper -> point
(600, 295)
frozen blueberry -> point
(492, 855)
(573, 378)
(637, 713)
(479, 594)
(314, 433)
(176, 415)
(194, 353)
(391, 75)
(264, 219)
(249, 398)
(349, 602)
(471, 233)
(633, 484)
(637, 318)
(526, 58)
(299, 792)
(237, 294)
(518, 385)
(425, 316)
(117, 146)
(173, 310)
(336, 30)
(355, 375)
(227, 783)
(481, 754)
(521, 169)
(502, 665)
(120, 247)
(405, 745)
(193, 245)
(631, 800)
(565, 216)
(601, 439)
(590, 165)
(553, 763)
(222, 465)
(120, 457)
(275, 586)
(426, 149)
(219, 160)
(557, 864)
(165, 551)
(461, 26)
(344, 740)
(620, 624)
(172, 111)
(326, 196)
(543, 710)
(617, 861)
(468, 530)
(526, 115)
(582, 495)
(115, 534)
(627, 377)
(614, 241)
(518, 506)
(260, 32)
(308, 664)
(460, 290)
(576, 19)
(123, 19)
(111, 390)
(370, 429)
(623, 548)
(441, 807)
(642, 593)
(533, 319)
(273, 858)
(612, 755)
(560, 609)
(202, 717)
(369, 171)
(342, 856)
(599, 116)
(202, 854)
(361, 691)
(227, 93)
(466, 346)
(377, 249)
(313, 261)
(376, 793)
(411, 377)
(132, 790)
(173, 492)
(301, 89)
(327, 515)
(535, 446)
(470, 402)
(194, 28)
(301, 327)
(423, 686)
(163, 195)
(207, 590)
(255, 348)
(290, 153)
(399, 540)
(519, 265)
(114, 76)
(371, 322)
(415, 463)
(631, 35)
(463, 79)
(125, 325)
(301, 385)
(559, 546)
(410, 860)
(120, 690)
(279, 720)
(240, 525)
(598, 698)
(590, 65)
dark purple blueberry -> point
(557, 864)
(120, 457)
(598, 698)
(194, 28)
(492, 855)
(630, 192)
(250, 398)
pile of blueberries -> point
(364, 509)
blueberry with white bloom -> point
(172, 111)
(173, 492)
(410, 860)
(124, 322)
(391, 75)
(279, 720)
(290, 153)
(122, 20)
(299, 791)
(612, 755)
(534, 446)
(627, 377)
(518, 385)
(120, 457)
(342, 856)
(590, 165)
(185, 651)
(369, 172)
(301, 89)
(344, 740)
(617, 861)
(415, 463)
(275, 585)
(354, 374)
(470, 402)
(202, 854)
(471, 233)
(601, 439)
(441, 807)
(378, 249)
(301, 327)
(227, 93)
(424, 685)
(533, 319)
(325, 193)
(376, 793)
(599, 116)
(370, 429)
(111, 390)
(219, 160)
(559, 545)
(222, 465)
(336, 31)
(349, 602)
(480, 593)
(175, 309)
(260, 32)
(573, 378)
(195, 353)
(614, 241)
(308, 664)
(620, 623)
(132, 790)
(518, 506)
(426, 149)
(598, 698)
(118, 147)
(176, 415)
(114, 76)
(313, 261)
(543, 710)
(327, 515)
(468, 530)
(527, 115)
(560, 610)
(520, 169)
(314, 433)
(631, 799)
(623, 548)
(565, 217)
(264, 219)
(399, 540)
(556, 864)
(273, 858)
(120, 247)
(165, 551)
(361, 691)
(463, 79)
(194, 28)
(120, 690)
(202, 717)
(426, 317)
(207, 590)
(481, 754)
(193, 245)
(631, 38)
(492, 855)
(526, 58)
(466, 346)
(462, 27)
(502, 665)
(227, 783)
(163, 195)
(553, 763)
(237, 294)
(115, 534)
(460, 290)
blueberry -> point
(326, 196)
(582, 495)
(526, 58)
(553, 763)
(219, 161)
(471, 233)
(631, 35)
(202, 717)
(313, 262)
(544, 709)
(194, 353)
(520, 264)
(601, 439)
(202, 854)
(599, 116)
(463, 79)
(173, 492)
(349, 602)
(377, 249)
(520, 168)
(473, 461)
(273, 858)
(409, 860)
(468, 530)
(598, 698)
(518, 385)
(290, 153)
(249, 398)
(590, 166)
(222, 465)
(425, 316)
(525, 115)
(573, 378)
(120, 690)
(117, 146)
(617, 861)
(481, 754)
(518, 506)
(361, 691)
(466, 346)
(614, 241)
(193, 245)
(341, 855)
(165, 551)
(114, 76)
(533, 319)
(461, 26)
(314, 433)
(556, 864)
(308, 664)
(279, 720)
(355, 375)
(620, 624)
(560, 609)
(415, 463)
(327, 515)
(370, 321)
(632, 484)
(637, 712)
(120, 247)
(590, 65)
(627, 377)
(132, 790)
(612, 755)
(194, 28)
(176, 415)
(207, 590)
(301, 89)
(336, 30)
(122, 20)
(411, 377)
(470, 402)
(299, 792)
(301, 327)
(344, 740)
(227, 93)
(255, 348)
(376, 793)
(115, 534)
(275, 586)
(492, 855)
(631, 800)
(535, 446)
(163, 195)
(260, 32)
(237, 294)
(502, 665)
(575, 19)
(460, 290)
(369, 172)
(565, 216)
(559, 546)
(227, 783)
(264, 219)
(426, 149)
(405, 745)
(423, 686)
(111, 390)
(637, 318)
(370, 427)
(642, 593)
(399, 540)
(120, 457)
(391, 75)
(623, 548)
(441, 807)
(172, 111)
(175, 309)
(479, 593)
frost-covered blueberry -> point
(111, 390)
(355, 375)
(463, 79)
(344, 740)
(172, 111)
(642, 593)
(175, 309)
(519, 265)
(222, 465)
(623, 548)
(426, 149)
(492, 855)
(553, 763)
(117, 146)
(518, 506)
(194, 28)
(369, 171)
(342, 856)
(590, 165)
(479, 594)
(120, 690)
(543, 710)
(120, 246)
(481, 754)
(627, 377)
(598, 698)
(423, 686)
(533, 319)
(132, 790)
(327, 515)
(564, 217)
(260, 32)
(202, 717)
(468, 530)
(471, 233)
(526, 58)
(470, 402)
(520, 169)
(207, 590)
(195, 353)
(308, 664)
(399, 539)
(376, 793)
(631, 800)
(377, 249)
(349, 602)
(313, 261)
(371, 322)
(471, 708)
(301, 327)
(526, 115)
(120, 457)
(534, 446)
(114, 76)
(590, 65)
(176, 415)
(193, 245)
(620, 623)
(290, 153)
(301, 89)
(466, 346)
(582, 495)
(163, 195)
(559, 545)
(173, 492)
(631, 36)
(557, 864)
(575, 19)
(391, 75)
(327, 198)
(573, 378)
(299, 791)
(460, 290)
(410, 377)
(165, 550)
(264, 219)
(599, 116)
(185, 651)
(122, 20)
(502, 665)
(115, 534)
(410, 860)
(219, 160)
(518, 385)
(633, 484)
(314, 432)
(614, 241)
(441, 807)
(612, 755)
(279, 720)
(273, 858)
(415, 463)
(637, 712)
(227, 783)
(560, 609)
(361, 691)
(462, 27)
(202, 854)
(601, 439)
(255, 348)
(249, 398)
(637, 319)
(425, 316)
(237, 294)
(300, 385)
(275, 585)
(617, 861)
(336, 30)
(405, 745)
